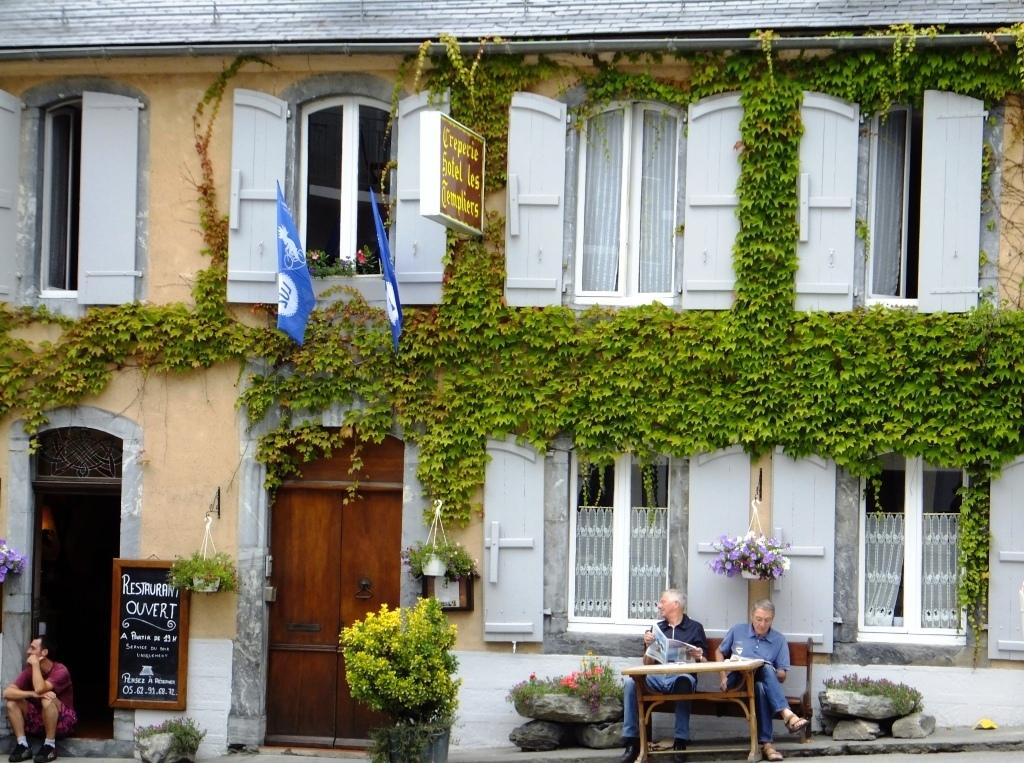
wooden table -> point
(742, 695)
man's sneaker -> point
(46, 753)
(19, 753)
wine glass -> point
(738, 650)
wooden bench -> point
(798, 694)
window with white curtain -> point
(909, 531)
(619, 541)
(346, 147)
(62, 157)
(895, 203)
(627, 204)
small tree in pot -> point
(400, 662)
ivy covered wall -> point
(649, 380)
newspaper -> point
(664, 649)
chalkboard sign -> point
(148, 637)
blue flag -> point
(392, 302)
(295, 298)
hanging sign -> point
(451, 173)
(148, 637)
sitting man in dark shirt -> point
(676, 625)
(40, 700)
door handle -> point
(364, 592)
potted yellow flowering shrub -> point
(400, 662)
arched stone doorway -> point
(28, 489)
(77, 487)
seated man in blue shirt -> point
(757, 640)
(676, 625)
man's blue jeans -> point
(681, 684)
(769, 699)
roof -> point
(39, 24)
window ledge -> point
(634, 301)
(370, 286)
(890, 302)
(902, 637)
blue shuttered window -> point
(719, 505)
(258, 139)
(513, 563)
(827, 215)
(536, 200)
(10, 126)
(420, 244)
(712, 173)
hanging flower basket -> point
(434, 566)
(753, 556)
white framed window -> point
(62, 166)
(628, 180)
(619, 533)
(346, 147)
(894, 199)
(908, 562)
(925, 204)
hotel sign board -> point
(451, 173)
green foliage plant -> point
(197, 572)
(185, 737)
(595, 682)
(400, 662)
(458, 562)
(905, 699)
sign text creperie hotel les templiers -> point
(451, 173)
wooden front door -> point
(332, 563)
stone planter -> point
(565, 708)
(159, 748)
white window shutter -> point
(950, 225)
(719, 505)
(10, 127)
(804, 515)
(258, 140)
(712, 172)
(108, 199)
(513, 564)
(827, 215)
(419, 243)
(536, 201)
(1006, 565)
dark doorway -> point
(77, 539)
(77, 484)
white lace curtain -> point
(887, 236)
(884, 535)
(648, 560)
(603, 208)
(939, 542)
(883, 568)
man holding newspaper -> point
(675, 638)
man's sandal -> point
(770, 753)
(794, 724)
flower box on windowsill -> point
(451, 595)
(370, 286)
